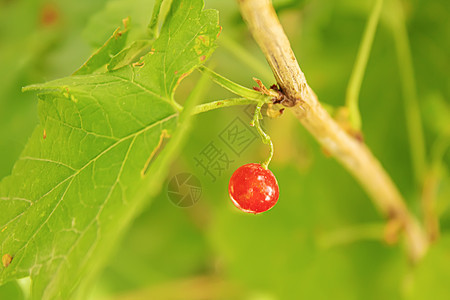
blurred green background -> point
(324, 238)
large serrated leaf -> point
(74, 189)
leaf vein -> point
(47, 160)
(71, 177)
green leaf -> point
(153, 25)
(80, 179)
(100, 25)
(130, 54)
(103, 55)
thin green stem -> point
(359, 68)
(264, 136)
(201, 108)
(249, 96)
(412, 110)
(234, 87)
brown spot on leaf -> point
(6, 260)
(138, 64)
(118, 33)
(44, 136)
(202, 58)
(125, 22)
(176, 72)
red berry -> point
(253, 189)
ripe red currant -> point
(253, 189)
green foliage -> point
(130, 54)
(73, 190)
(107, 53)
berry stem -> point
(234, 87)
(201, 108)
(248, 96)
(264, 136)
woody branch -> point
(354, 155)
